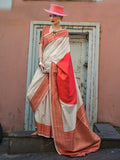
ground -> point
(103, 154)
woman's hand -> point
(43, 68)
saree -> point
(56, 100)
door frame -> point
(93, 31)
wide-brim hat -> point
(56, 9)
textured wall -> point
(14, 43)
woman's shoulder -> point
(45, 29)
(65, 31)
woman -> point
(54, 95)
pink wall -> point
(14, 43)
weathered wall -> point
(14, 43)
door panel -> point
(79, 55)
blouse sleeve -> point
(42, 35)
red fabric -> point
(65, 80)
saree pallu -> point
(56, 100)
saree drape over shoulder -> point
(56, 100)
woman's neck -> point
(56, 27)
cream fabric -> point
(43, 112)
(36, 81)
(55, 51)
(69, 112)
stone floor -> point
(102, 154)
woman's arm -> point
(41, 53)
(41, 65)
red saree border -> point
(43, 130)
(40, 93)
(81, 140)
(51, 37)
